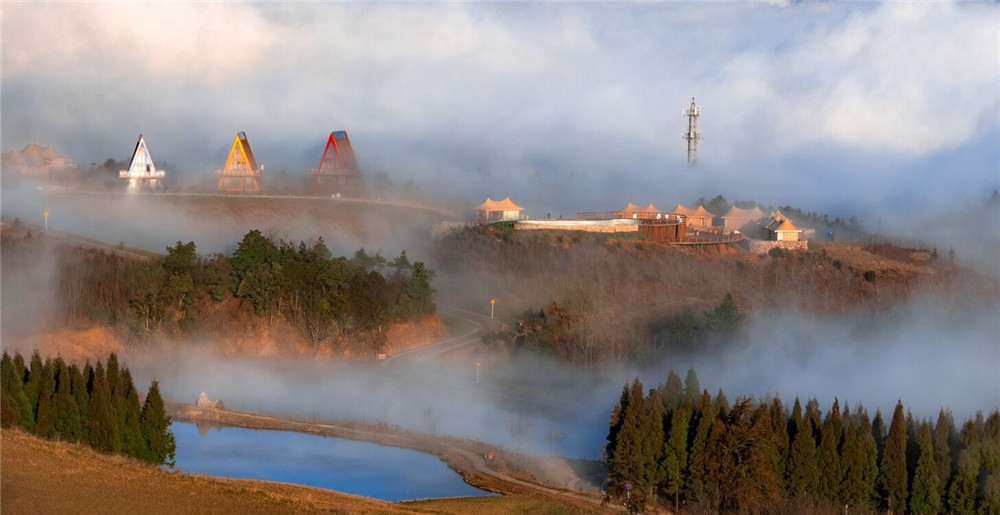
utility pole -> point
(692, 135)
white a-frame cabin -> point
(142, 173)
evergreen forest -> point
(97, 406)
(325, 299)
(679, 447)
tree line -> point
(324, 298)
(554, 331)
(97, 405)
(699, 453)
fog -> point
(926, 355)
(884, 112)
(861, 109)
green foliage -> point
(635, 445)
(828, 454)
(218, 276)
(98, 406)
(725, 318)
(924, 497)
(803, 474)
(962, 489)
(254, 251)
(675, 452)
(732, 461)
(180, 259)
(159, 439)
(692, 388)
(893, 465)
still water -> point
(360, 468)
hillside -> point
(41, 476)
(609, 297)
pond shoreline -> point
(466, 457)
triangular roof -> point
(14, 158)
(786, 225)
(735, 212)
(487, 205)
(50, 153)
(507, 205)
(631, 208)
(142, 162)
(338, 156)
(240, 160)
(649, 209)
(698, 212)
(499, 205)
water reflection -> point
(359, 468)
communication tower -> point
(692, 135)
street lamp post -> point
(492, 303)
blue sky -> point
(845, 108)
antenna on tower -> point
(692, 135)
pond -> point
(360, 468)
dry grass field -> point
(41, 476)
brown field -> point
(41, 476)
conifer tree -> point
(912, 447)
(803, 474)
(944, 435)
(132, 440)
(82, 396)
(852, 486)
(963, 485)
(24, 408)
(159, 439)
(869, 461)
(924, 497)
(716, 468)
(33, 387)
(15, 403)
(8, 415)
(991, 494)
(692, 388)
(828, 455)
(615, 427)
(794, 421)
(672, 390)
(893, 465)
(68, 423)
(878, 433)
(814, 419)
(696, 458)
(675, 452)
(103, 428)
(779, 427)
(117, 396)
(721, 404)
(44, 413)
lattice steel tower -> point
(692, 135)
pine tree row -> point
(697, 453)
(96, 405)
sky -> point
(869, 109)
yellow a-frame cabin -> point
(240, 174)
